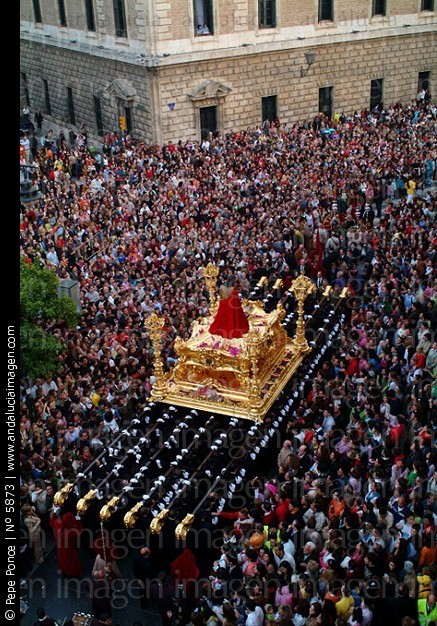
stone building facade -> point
(172, 70)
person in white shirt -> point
(110, 424)
(431, 487)
(367, 614)
(280, 555)
(24, 141)
(49, 385)
(405, 526)
(32, 391)
(384, 517)
(328, 421)
(289, 547)
(52, 257)
(255, 614)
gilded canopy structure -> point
(236, 377)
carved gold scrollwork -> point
(131, 516)
(108, 509)
(183, 528)
(158, 522)
(83, 504)
(61, 496)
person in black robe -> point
(142, 570)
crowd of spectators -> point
(352, 502)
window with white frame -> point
(120, 18)
(326, 10)
(90, 16)
(427, 5)
(379, 7)
(266, 13)
(62, 13)
(203, 17)
(37, 11)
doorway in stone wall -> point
(208, 121)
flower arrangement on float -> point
(207, 392)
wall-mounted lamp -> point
(310, 57)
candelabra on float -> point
(154, 325)
(210, 274)
(302, 287)
(254, 344)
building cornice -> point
(131, 56)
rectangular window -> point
(427, 5)
(203, 17)
(98, 114)
(128, 117)
(326, 11)
(208, 121)
(62, 13)
(375, 93)
(25, 89)
(325, 100)
(90, 17)
(423, 82)
(269, 106)
(378, 7)
(70, 106)
(48, 106)
(37, 11)
(120, 18)
(266, 13)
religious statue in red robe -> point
(230, 321)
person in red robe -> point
(230, 321)
(316, 256)
(67, 530)
(185, 571)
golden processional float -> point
(236, 377)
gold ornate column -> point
(154, 325)
(253, 343)
(210, 273)
(301, 287)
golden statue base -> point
(236, 377)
